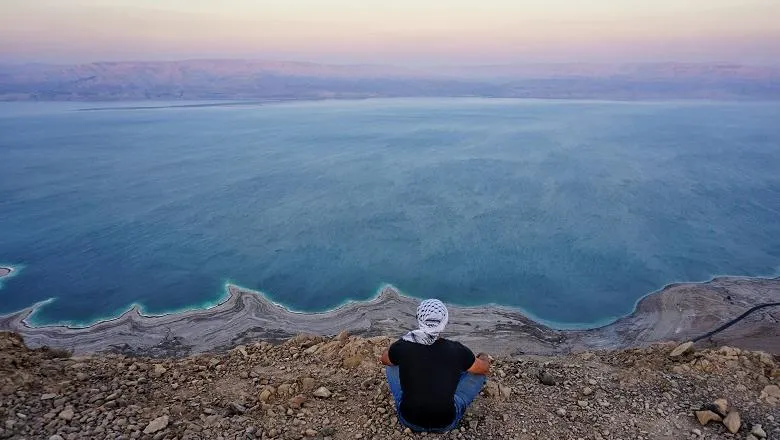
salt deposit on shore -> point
(677, 312)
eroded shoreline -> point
(677, 312)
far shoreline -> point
(194, 103)
(679, 311)
(225, 297)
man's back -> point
(429, 376)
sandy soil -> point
(4, 271)
(678, 312)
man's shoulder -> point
(441, 342)
(400, 350)
(400, 341)
(454, 345)
(451, 342)
(400, 345)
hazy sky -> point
(417, 32)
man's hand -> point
(481, 364)
(485, 357)
(385, 358)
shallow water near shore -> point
(570, 211)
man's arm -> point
(481, 364)
(385, 358)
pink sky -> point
(415, 32)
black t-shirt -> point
(429, 376)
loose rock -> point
(771, 394)
(587, 391)
(297, 401)
(681, 349)
(66, 414)
(706, 416)
(322, 392)
(758, 431)
(546, 378)
(236, 408)
(722, 405)
(733, 422)
(308, 384)
(158, 370)
(157, 424)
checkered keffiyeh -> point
(432, 317)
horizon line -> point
(721, 63)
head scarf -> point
(432, 317)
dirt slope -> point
(314, 387)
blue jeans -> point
(468, 388)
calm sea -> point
(571, 211)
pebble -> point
(771, 394)
(758, 431)
(308, 384)
(66, 414)
(157, 424)
(546, 378)
(237, 408)
(706, 416)
(722, 405)
(158, 370)
(587, 391)
(681, 349)
(733, 422)
(297, 401)
(322, 392)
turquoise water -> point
(571, 211)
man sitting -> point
(433, 380)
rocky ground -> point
(314, 387)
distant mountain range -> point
(246, 79)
